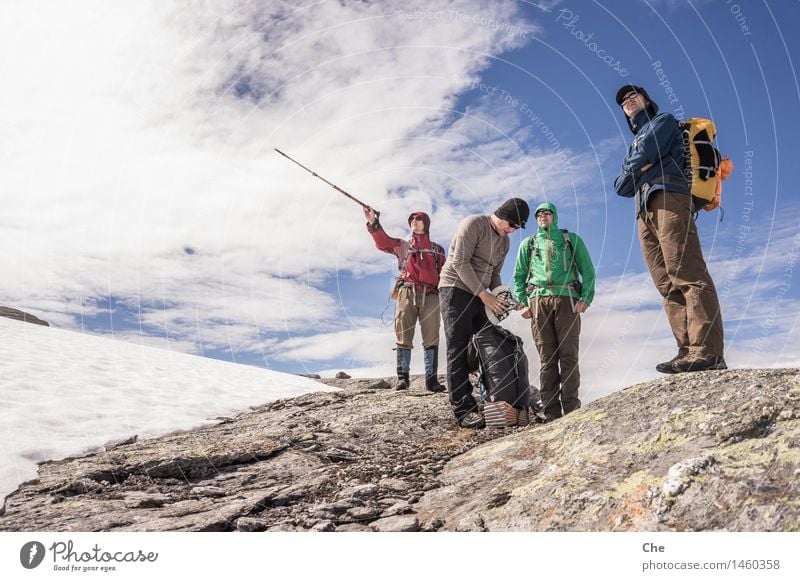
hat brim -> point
(624, 91)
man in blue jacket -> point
(652, 173)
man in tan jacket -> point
(473, 265)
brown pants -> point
(413, 305)
(671, 249)
(556, 330)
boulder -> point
(396, 524)
(16, 314)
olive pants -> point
(671, 249)
(556, 331)
(413, 306)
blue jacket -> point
(658, 141)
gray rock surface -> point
(353, 528)
(396, 524)
(703, 451)
(16, 314)
(346, 457)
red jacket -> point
(425, 258)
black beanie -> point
(514, 211)
(625, 89)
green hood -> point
(554, 226)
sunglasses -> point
(416, 218)
(629, 97)
(545, 212)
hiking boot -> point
(472, 421)
(403, 368)
(666, 366)
(432, 384)
(431, 369)
(707, 363)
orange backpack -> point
(703, 166)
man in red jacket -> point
(420, 262)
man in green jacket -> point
(554, 278)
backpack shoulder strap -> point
(567, 238)
(568, 242)
(533, 246)
(438, 250)
(533, 250)
(406, 252)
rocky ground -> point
(346, 460)
(691, 452)
(703, 451)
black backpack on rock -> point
(503, 366)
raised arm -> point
(383, 241)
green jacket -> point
(552, 270)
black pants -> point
(463, 315)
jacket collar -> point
(641, 118)
(421, 241)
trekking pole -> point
(334, 186)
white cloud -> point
(138, 140)
(362, 340)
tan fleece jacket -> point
(475, 257)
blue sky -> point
(137, 130)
